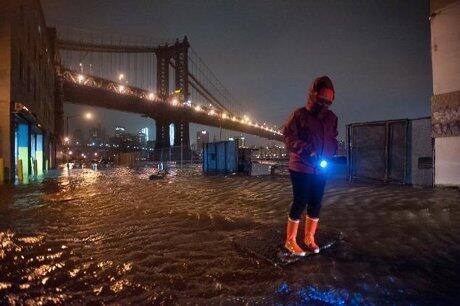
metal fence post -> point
(387, 151)
(181, 154)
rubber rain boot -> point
(291, 234)
(310, 230)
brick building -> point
(30, 107)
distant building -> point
(241, 141)
(119, 131)
(146, 132)
(97, 135)
(150, 144)
(78, 137)
(142, 138)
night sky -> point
(267, 52)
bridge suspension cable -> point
(132, 62)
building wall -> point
(32, 73)
(445, 104)
(447, 171)
(445, 48)
(5, 92)
(27, 86)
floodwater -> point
(114, 236)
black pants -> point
(308, 190)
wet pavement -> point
(114, 236)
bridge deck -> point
(101, 97)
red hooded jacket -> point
(305, 133)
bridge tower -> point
(163, 55)
(180, 56)
(176, 54)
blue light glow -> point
(323, 164)
(171, 134)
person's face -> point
(316, 104)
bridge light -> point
(151, 96)
(212, 112)
(88, 116)
(174, 102)
(80, 78)
(234, 118)
(70, 152)
(197, 108)
(188, 103)
(121, 88)
(66, 139)
(121, 77)
(224, 116)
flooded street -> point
(115, 236)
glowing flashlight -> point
(323, 164)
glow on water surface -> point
(114, 236)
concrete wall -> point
(445, 49)
(447, 165)
(421, 152)
(437, 5)
(445, 44)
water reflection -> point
(86, 236)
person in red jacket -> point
(310, 136)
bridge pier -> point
(180, 148)
(182, 134)
(162, 133)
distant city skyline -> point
(134, 123)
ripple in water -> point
(115, 236)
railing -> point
(177, 154)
